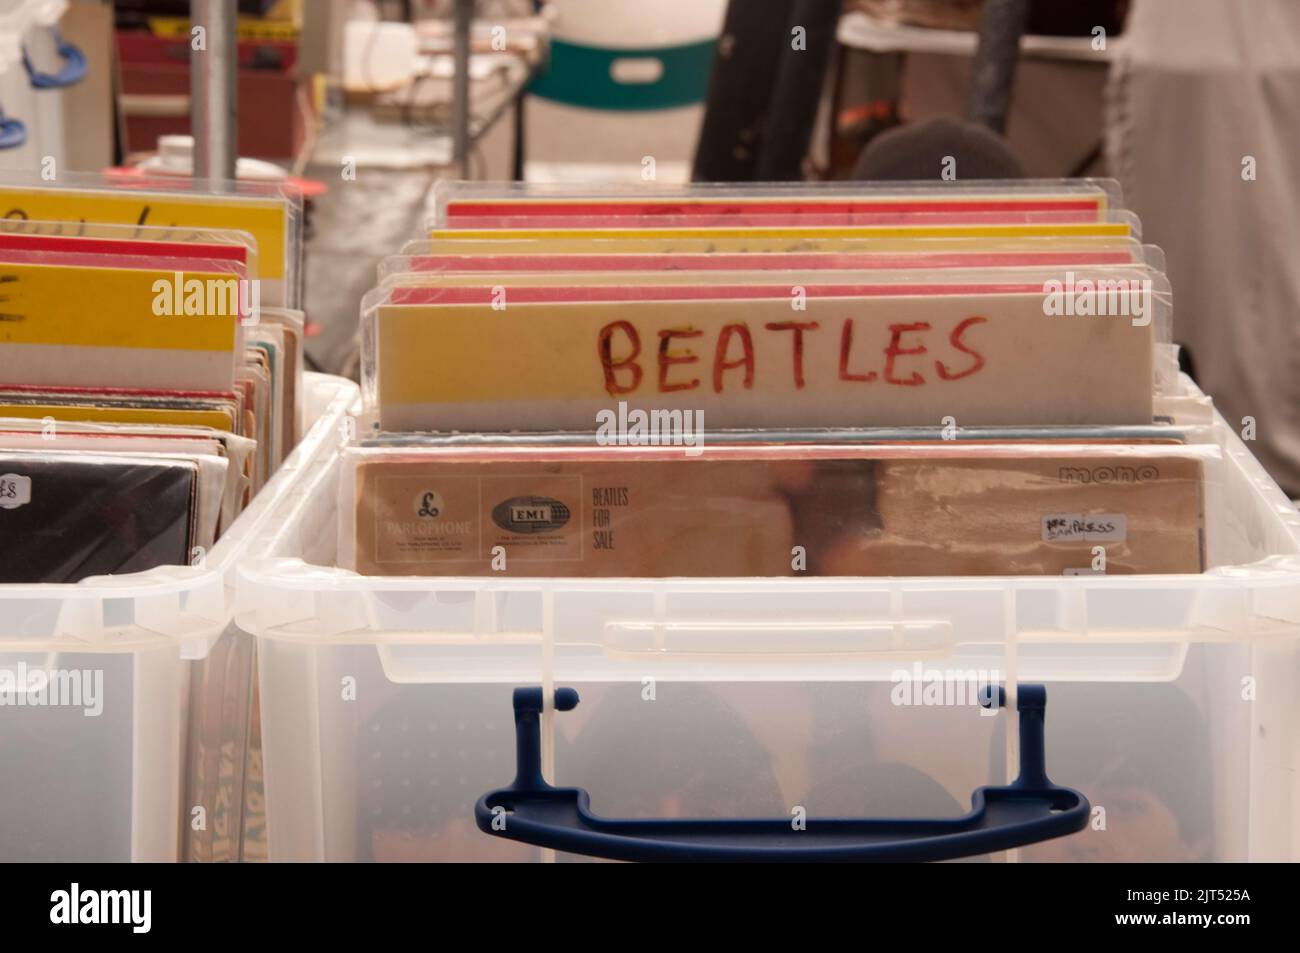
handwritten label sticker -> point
(15, 491)
(1084, 527)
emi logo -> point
(530, 514)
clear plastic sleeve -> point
(459, 199)
(78, 319)
(18, 434)
(139, 241)
(151, 511)
(940, 509)
(269, 340)
(271, 212)
(962, 253)
(1057, 237)
(898, 349)
(765, 227)
(292, 324)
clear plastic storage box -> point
(144, 757)
(1172, 700)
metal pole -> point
(212, 88)
(464, 14)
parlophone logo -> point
(428, 504)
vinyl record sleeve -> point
(237, 449)
(269, 339)
(77, 325)
(1094, 237)
(465, 200)
(166, 248)
(229, 474)
(271, 212)
(1151, 433)
(774, 510)
(293, 325)
(758, 235)
(705, 263)
(220, 411)
(255, 382)
(67, 516)
(89, 411)
(892, 353)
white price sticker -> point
(1084, 527)
(15, 490)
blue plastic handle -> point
(73, 71)
(12, 132)
(1029, 810)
